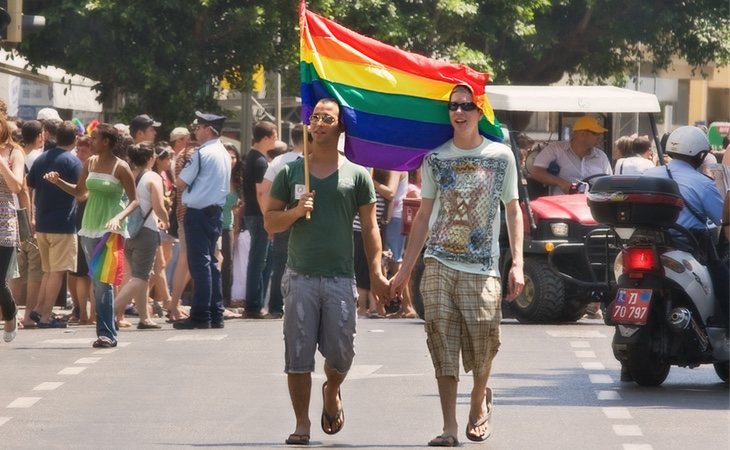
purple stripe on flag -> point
(383, 156)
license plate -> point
(631, 306)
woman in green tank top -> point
(103, 182)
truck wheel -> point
(542, 299)
(722, 369)
(416, 297)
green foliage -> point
(167, 56)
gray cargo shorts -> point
(318, 311)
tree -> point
(167, 56)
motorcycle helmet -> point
(688, 141)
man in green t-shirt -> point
(319, 284)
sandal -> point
(297, 439)
(444, 440)
(328, 422)
(472, 425)
(104, 342)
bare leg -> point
(300, 391)
(447, 394)
(180, 279)
(332, 402)
(478, 403)
(50, 286)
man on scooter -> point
(688, 147)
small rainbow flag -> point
(107, 261)
(393, 102)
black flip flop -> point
(328, 421)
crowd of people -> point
(76, 185)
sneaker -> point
(273, 316)
(9, 336)
(252, 315)
(104, 342)
(218, 325)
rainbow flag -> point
(393, 102)
(107, 261)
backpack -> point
(136, 220)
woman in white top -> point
(140, 250)
(640, 161)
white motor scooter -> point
(665, 310)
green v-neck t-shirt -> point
(323, 245)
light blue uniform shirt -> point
(208, 176)
(697, 190)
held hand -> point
(516, 283)
(113, 224)
(379, 287)
(306, 203)
(162, 225)
(398, 283)
(565, 186)
(51, 177)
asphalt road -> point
(555, 387)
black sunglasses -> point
(466, 106)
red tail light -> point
(639, 259)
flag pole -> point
(305, 153)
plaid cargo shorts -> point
(463, 312)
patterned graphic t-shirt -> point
(467, 186)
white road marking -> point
(48, 386)
(600, 379)
(593, 365)
(197, 337)
(72, 370)
(4, 420)
(609, 395)
(585, 354)
(568, 333)
(87, 361)
(627, 430)
(23, 402)
(637, 447)
(617, 412)
(580, 344)
(105, 351)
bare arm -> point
(13, 177)
(543, 176)
(416, 240)
(158, 202)
(262, 193)
(124, 174)
(515, 231)
(373, 250)
(78, 190)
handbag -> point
(24, 230)
(135, 221)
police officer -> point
(205, 182)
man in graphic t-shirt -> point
(463, 183)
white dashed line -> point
(197, 337)
(48, 386)
(87, 361)
(585, 354)
(4, 420)
(627, 430)
(105, 351)
(600, 379)
(23, 402)
(637, 447)
(609, 395)
(593, 366)
(617, 412)
(72, 370)
(575, 333)
(580, 344)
